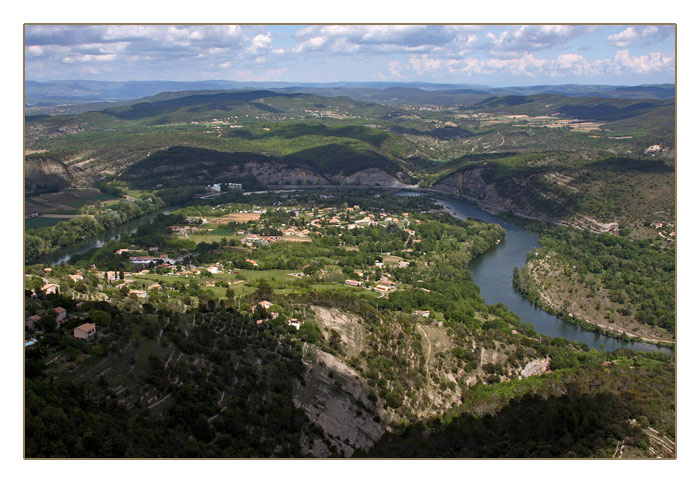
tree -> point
(264, 291)
(47, 323)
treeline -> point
(42, 241)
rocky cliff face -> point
(276, 173)
(370, 177)
(87, 172)
(335, 398)
(471, 184)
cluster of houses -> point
(183, 230)
(86, 331)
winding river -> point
(492, 272)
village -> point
(255, 239)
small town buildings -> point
(51, 288)
(384, 288)
(403, 264)
(252, 262)
(213, 269)
(354, 283)
(251, 238)
(142, 260)
(265, 304)
(422, 313)
(77, 277)
(294, 323)
(154, 286)
(84, 331)
(60, 314)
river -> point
(64, 254)
(493, 273)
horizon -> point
(46, 81)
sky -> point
(494, 55)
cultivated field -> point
(237, 218)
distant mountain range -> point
(51, 93)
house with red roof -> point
(84, 331)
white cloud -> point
(642, 64)
(35, 50)
(385, 38)
(624, 38)
(533, 37)
(528, 65)
(88, 58)
(648, 35)
(164, 46)
(260, 43)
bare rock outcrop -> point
(370, 177)
(335, 398)
(536, 367)
(470, 183)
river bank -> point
(493, 271)
(540, 300)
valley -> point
(252, 318)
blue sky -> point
(496, 55)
